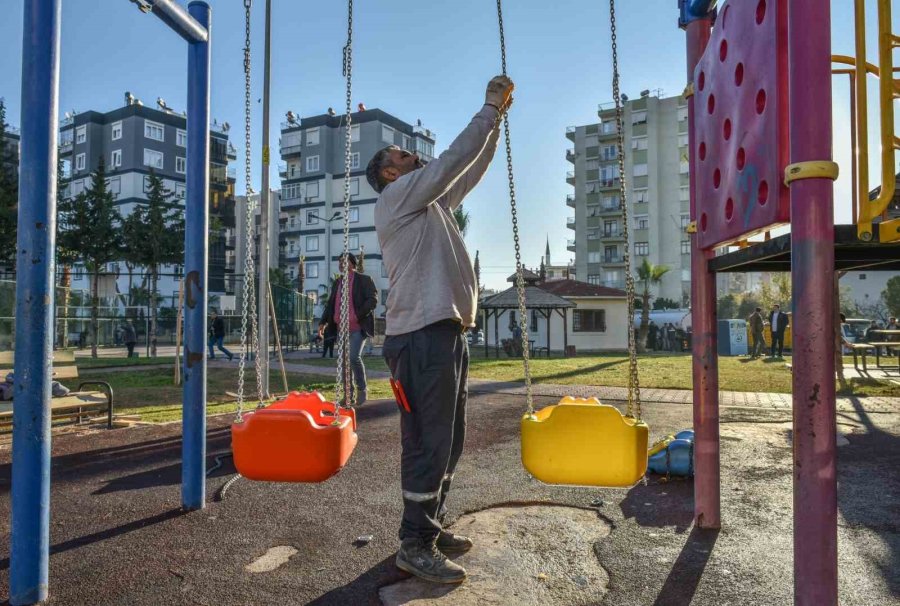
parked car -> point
(476, 337)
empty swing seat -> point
(581, 442)
(297, 439)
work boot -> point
(424, 560)
(362, 397)
(453, 544)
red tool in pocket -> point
(400, 395)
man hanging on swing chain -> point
(431, 303)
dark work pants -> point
(432, 365)
(777, 342)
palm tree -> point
(648, 274)
(462, 219)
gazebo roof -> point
(534, 298)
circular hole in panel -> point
(711, 103)
(760, 11)
(717, 178)
(760, 101)
(729, 209)
(723, 50)
(701, 81)
(741, 158)
(726, 129)
(702, 150)
(739, 74)
(762, 195)
(703, 222)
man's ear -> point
(390, 174)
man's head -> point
(213, 313)
(759, 309)
(389, 164)
(352, 259)
(776, 307)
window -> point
(312, 190)
(685, 247)
(406, 142)
(594, 279)
(641, 249)
(534, 320)
(593, 210)
(642, 222)
(682, 140)
(153, 159)
(512, 320)
(612, 278)
(594, 257)
(354, 215)
(115, 185)
(81, 134)
(80, 161)
(181, 138)
(180, 165)
(115, 158)
(387, 134)
(312, 137)
(608, 174)
(685, 275)
(312, 270)
(179, 191)
(425, 148)
(292, 247)
(610, 229)
(354, 133)
(312, 243)
(116, 131)
(639, 117)
(154, 130)
(682, 114)
(610, 202)
(384, 271)
(641, 196)
(354, 240)
(609, 127)
(611, 254)
(609, 152)
(593, 234)
(354, 160)
(589, 320)
(685, 221)
(639, 143)
(291, 191)
(312, 164)
(312, 217)
(293, 221)
(684, 195)
(354, 186)
(862, 276)
(640, 170)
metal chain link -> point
(344, 391)
(249, 303)
(634, 385)
(520, 278)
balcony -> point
(570, 245)
(612, 259)
(294, 149)
(65, 147)
(232, 173)
(231, 154)
(570, 133)
(609, 183)
(290, 124)
(282, 170)
(570, 177)
(613, 234)
(606, 209)
(570, 222)
(614, 284)
(570, 200)
(570, 155)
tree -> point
(65, 257)
(154, 236)
(749, 303)
(478, 275)
(9, 195)
(279, 279)
(462, 219)
(648, 274)
(727, 307)
(891, 295)
(664, 303)
(90, 226)
(776, 292)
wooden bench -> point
(859, 348)
(75, 407)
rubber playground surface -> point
(118, 536)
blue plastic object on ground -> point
(674, 455)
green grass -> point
(88, 363)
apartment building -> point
(656, 165)
(312, 193)
(133, 140)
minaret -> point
(477, 274)
(547, 252)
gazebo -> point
(545, 303)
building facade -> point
(131, 141)
(656, 165)
(312, 194)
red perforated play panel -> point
(741, 123)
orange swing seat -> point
(298, 439)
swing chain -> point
(344, 389)
(634, 386)
(520, 278)
(248, 307)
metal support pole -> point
(180, 20)
(196, 252)
(30, 527)
(707, 488)
(812, 274)
(264, 223)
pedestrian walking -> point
(756, 332)
(129, 337)
(217, 336)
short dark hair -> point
(352, 258)
(376, 165)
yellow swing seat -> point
(581, 442)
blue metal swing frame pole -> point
(35, 272)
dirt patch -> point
(535, 554)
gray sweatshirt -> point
(430, 272)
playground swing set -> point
(760, 149)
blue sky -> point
(427, 60)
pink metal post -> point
(703, 320)
(812, 271)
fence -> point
(293, 311)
